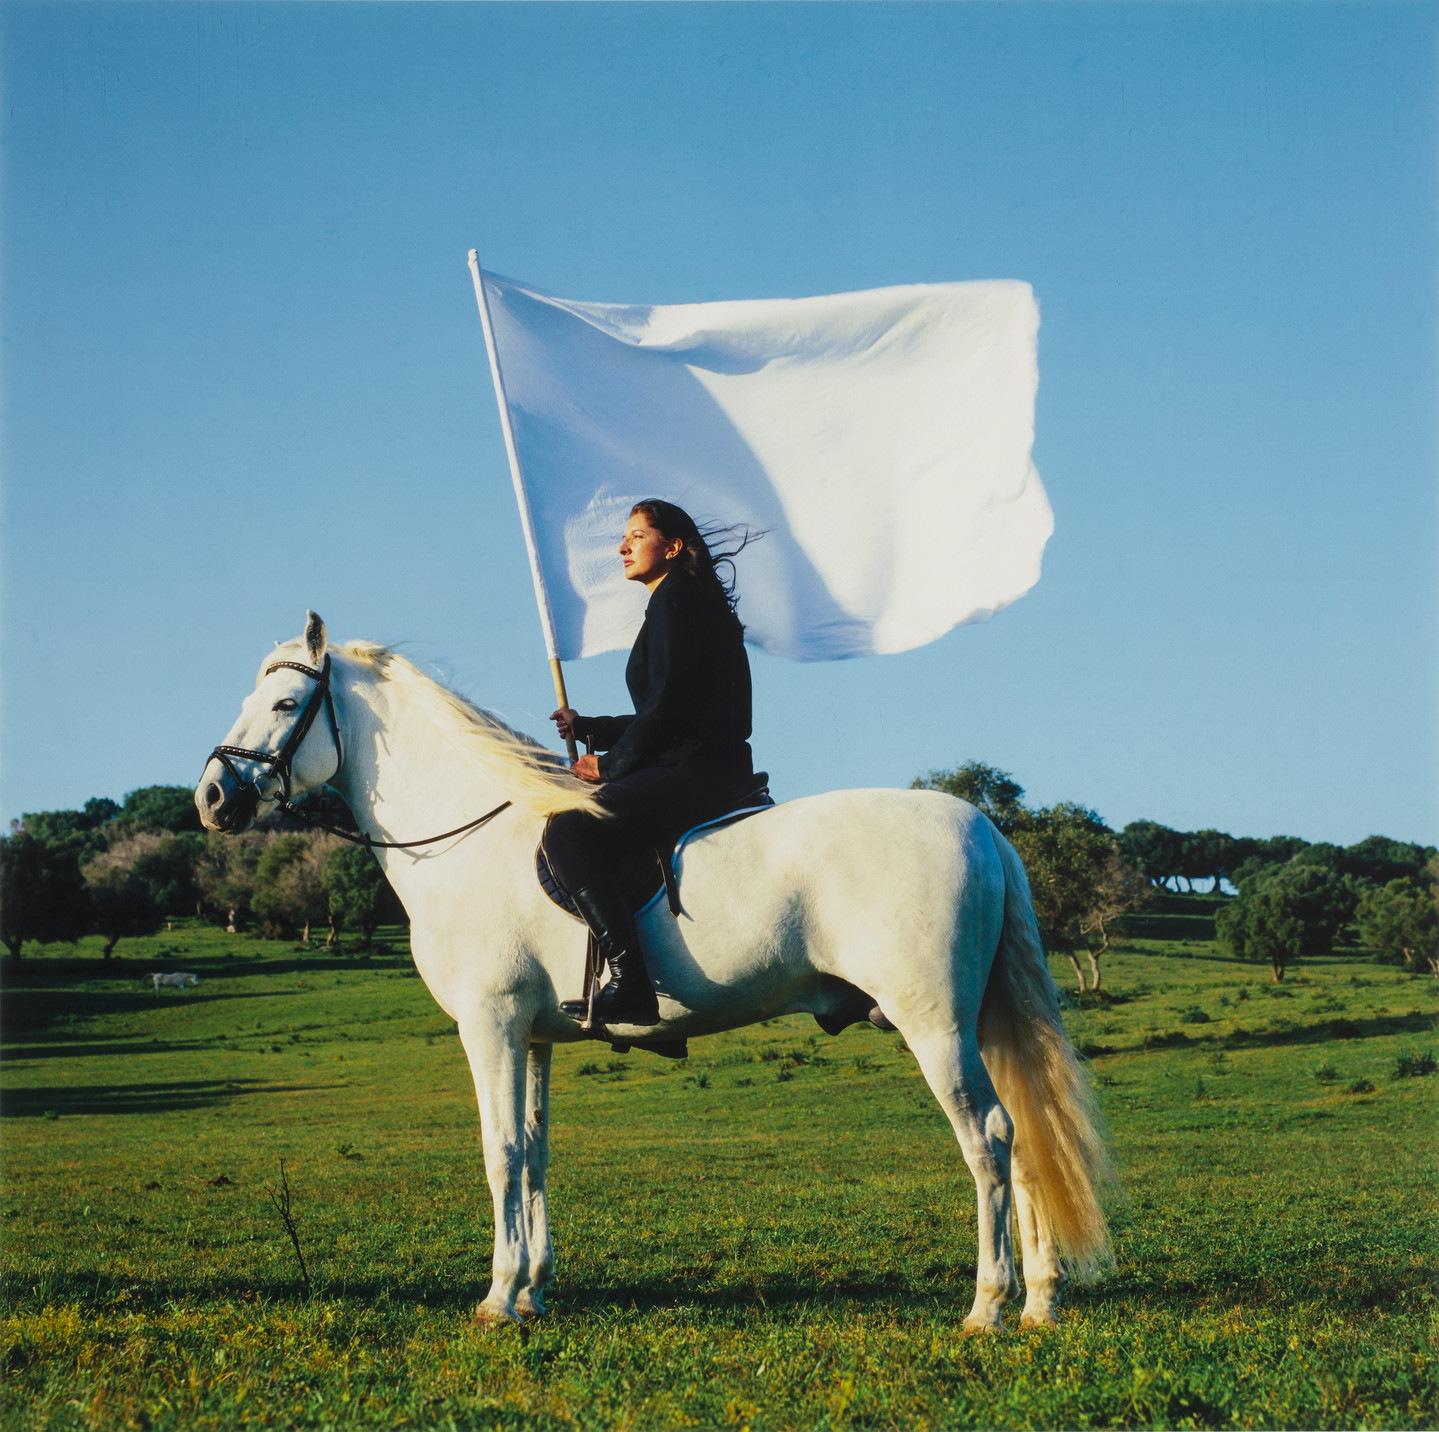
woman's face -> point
(647, 554)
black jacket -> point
(688, 675)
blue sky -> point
(244, 373)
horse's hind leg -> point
(955, 1072)
(1043, 1276)
(529, 1303)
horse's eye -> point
(285, 705)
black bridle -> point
(280, 762)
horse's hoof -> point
(487, 1317)
(529, 1309)
(978, 1327)
(1037, 1322)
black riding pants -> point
(650, 807)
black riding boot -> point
(629, 997)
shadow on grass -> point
(1322, 1032)
(34, 1012)
(574, 1295)
(1326, 1030)
(139, 1098)
(1121, 1296)
(19, 1051)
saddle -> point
(645, 875)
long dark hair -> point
(713, 570)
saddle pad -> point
(641, 877)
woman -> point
(671, 765)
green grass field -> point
(779, 1233)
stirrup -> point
(601, 1016)
(583, 1010)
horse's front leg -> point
(530, 1301)
(497, 1056)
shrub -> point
(1326, 1073)
(1166, 1039)
(1413, 1065)
(1361, 1086)
(1194, 1016)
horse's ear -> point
(314, 638)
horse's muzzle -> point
(224, 805)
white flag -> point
(881, 439)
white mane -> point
(534, 778)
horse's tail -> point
(1058, 1130)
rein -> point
(281, 760)
(370, 843)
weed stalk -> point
(283, 1206)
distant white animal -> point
(176, 980)
(909, 900)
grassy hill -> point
(779, 1233)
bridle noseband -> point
(281, 760)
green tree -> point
(1120, 889)
(168, 868)
(42, 895)
(161, 808)
(225, 875)
(81, 832)
(290, 889)
(1401, 920)
(1285, 914)
(356, 888)
(991, 790)
(122, 904)
(1070, 855)
(1262, 855)
(1213, 855)
(1378, 860)
(1154, 848)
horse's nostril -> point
(213, 795)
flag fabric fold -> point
(880, 439)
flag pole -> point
(542, 596)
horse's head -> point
(274, 750)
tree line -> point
(121, 870)
(1292, 898)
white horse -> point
(912, 897)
